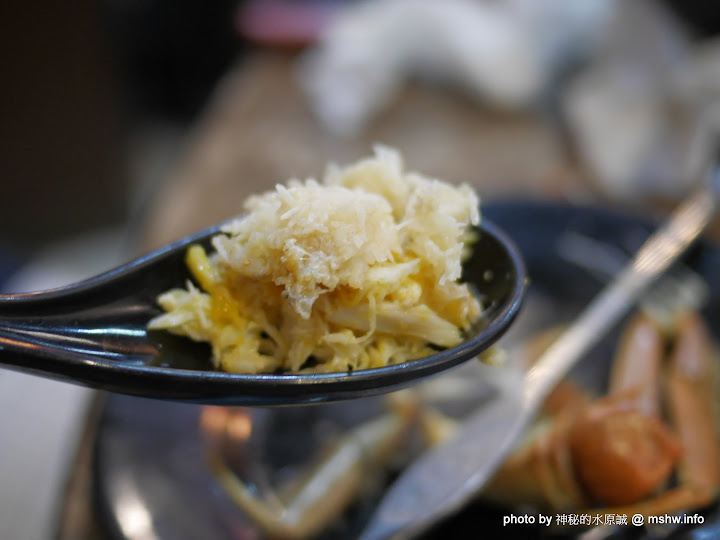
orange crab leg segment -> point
(690, 383)
(690, 393)
(637, 366)
(621, 450)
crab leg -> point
(690, 389)
(581, 452)
(637, 365)
(622, 452)
(690, 383)
(331, 485)
(692, 413)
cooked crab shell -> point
(619, 453)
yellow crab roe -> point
(356, 272)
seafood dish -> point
(632, 430)
(357, 272)
(648, 446)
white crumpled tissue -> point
(505, 52)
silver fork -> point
(680, 288)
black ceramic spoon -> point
(94, 333)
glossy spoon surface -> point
(94, 333)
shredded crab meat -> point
(358, 271)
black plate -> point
(150, 461)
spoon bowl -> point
(94, 333)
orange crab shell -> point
(621, 454)
(616, 451)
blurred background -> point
(127, 124)
(99, 99)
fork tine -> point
(679, 289)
